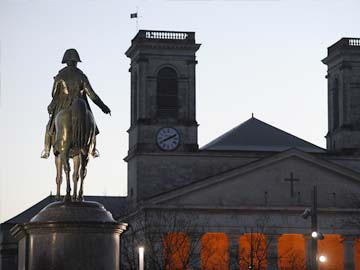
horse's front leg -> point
(58, 165)
(75, 175)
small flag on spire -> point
(133, 15)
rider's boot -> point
(46, 152)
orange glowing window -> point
(214, 251)
(332, 248)
(253, 251)
(357, 254)
(291, 252)
(176, 251)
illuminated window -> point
(291, 252)
(176, 251)
(253, 251)
(214, 251)
(167, 93)
(357, 254)
(332, 248)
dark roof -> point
(116, 205)
(256, 135)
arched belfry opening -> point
(167, 93)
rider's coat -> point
(69, 84)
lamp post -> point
(314, 228)
(141, 258)
(315, 235)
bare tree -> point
(256, 250)
(292, 259)
(171, 240)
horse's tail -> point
(80, 130)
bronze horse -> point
(75, 130)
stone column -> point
(195, 251)
(234, 251)
(349, 252)
(272, 251)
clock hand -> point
(168, 138)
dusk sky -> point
(261, 57)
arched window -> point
(214, 251)
(332, 248)
(335, 98)
(253, 249)
(176, 251)
(167, 93)
(134, 97)
(291, 252)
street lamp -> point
(141, 258)
(322, 258)
(315, 235)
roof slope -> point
(116, 205)
(256, 135)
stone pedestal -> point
(70, 235)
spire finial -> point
(252, 115)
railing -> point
(345, 43)
(167, 36)
(354, 42)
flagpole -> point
(135, 16)
(137, 19)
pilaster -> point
(349, 252)
(195, 251)
(272, 251)
(234, 251)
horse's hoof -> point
(95, 153)
(74, 198)
(57, 198)
(80, 198)
(67, 198)
(45, 154)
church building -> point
(256, 197)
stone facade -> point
(220, 189)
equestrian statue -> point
(71, 129)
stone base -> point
(71, 236)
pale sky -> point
(256, 56)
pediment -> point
(267, 182)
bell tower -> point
(163, 109)
(163, 128)
(343, 61)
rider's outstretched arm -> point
(94, 97)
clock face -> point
(168, 139)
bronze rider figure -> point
(69, 84)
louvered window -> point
(167, 93)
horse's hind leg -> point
(75, 175)
(58, 165)
(66, 164)
(84, 161)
